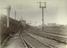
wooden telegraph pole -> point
(15, 14)
(8, 9)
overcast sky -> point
(55, 11)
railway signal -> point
(42, 5)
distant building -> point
(52, 24)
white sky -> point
(56, 11)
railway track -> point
(47, 41)
(25, 43)
(34, 43)
(58, 38)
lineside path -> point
(15, 42)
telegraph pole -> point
(15, 14)
(42, 6)
(8, 9)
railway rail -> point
(30, 41)
(33, 46)
(58, 38)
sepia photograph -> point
(33, 23)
